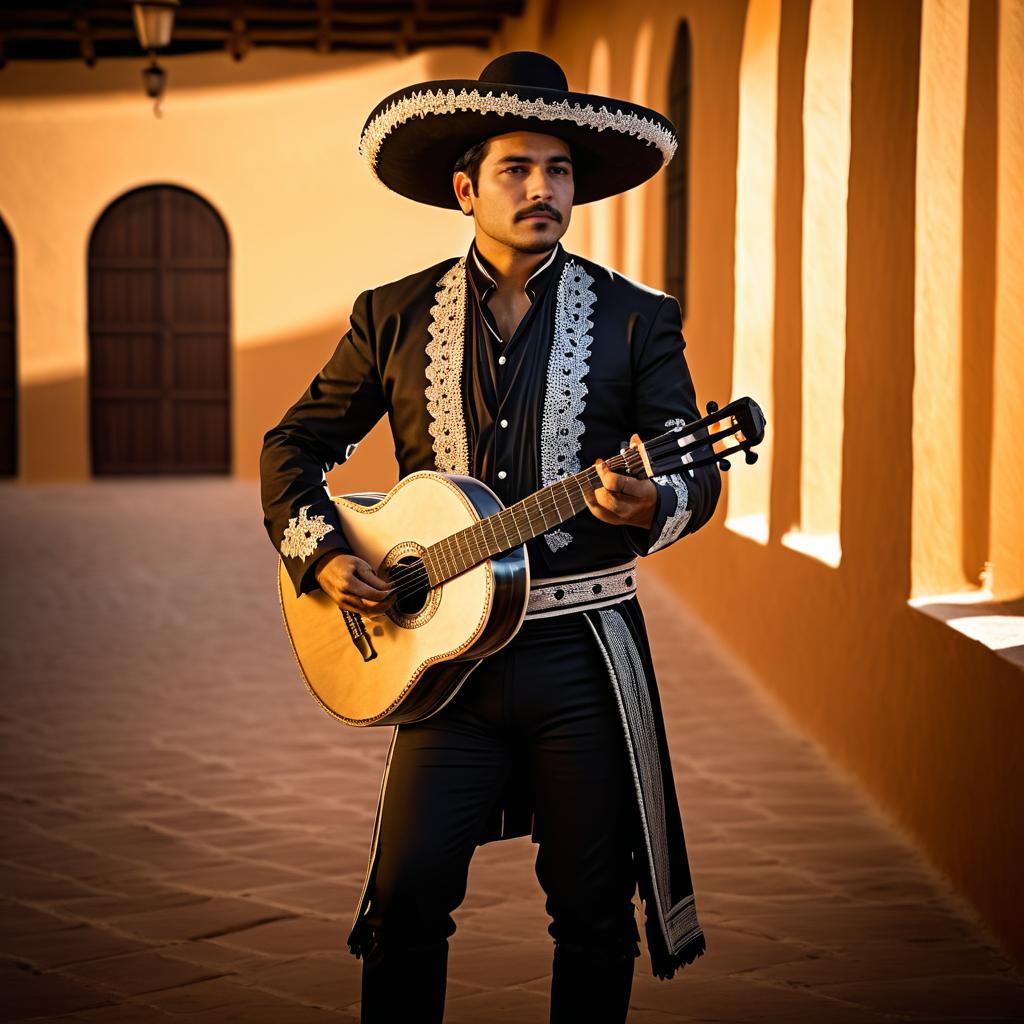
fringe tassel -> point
(362, 942)
(665, 965)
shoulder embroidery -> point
(444, 372)
(303, 534)
(566, 393)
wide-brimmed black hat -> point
(412, 139)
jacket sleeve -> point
(320, 431)
(663, 396)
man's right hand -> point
(352, 585)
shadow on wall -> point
(268, 378)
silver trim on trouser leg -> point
(679, 923)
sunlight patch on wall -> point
(754, 310)
(937, 525)
(826, 123)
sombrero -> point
(412, 138)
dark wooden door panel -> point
(126, 436)
(8, 359)
(198, 297)
(123, 296)
(200, 435)
(196, 231)
(159, 318)
(125, 361)
(195, 369)
(129, 228)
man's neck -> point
(510, 268)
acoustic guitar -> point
(456, 557)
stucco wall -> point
(922, 715)
(809, 581)
(271, 144)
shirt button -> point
(501, 360)
(504, 423)
(502, 474)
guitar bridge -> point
(360, 637)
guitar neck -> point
(526, 519)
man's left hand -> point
(623, 500)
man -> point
(513, 364)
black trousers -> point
(543, 705)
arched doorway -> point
(677, 214)
(159, 335)
(8, 358)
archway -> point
(159, 336)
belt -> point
(560, 595)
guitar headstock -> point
(738, 427)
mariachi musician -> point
(516, 364)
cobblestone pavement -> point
(185, 832)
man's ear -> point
(462, 184)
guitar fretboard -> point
(526, 519)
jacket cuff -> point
(670, 517)
(309, 535)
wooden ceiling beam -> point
(225, 13)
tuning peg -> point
(712, 407)
(723, 464)
(751, 457)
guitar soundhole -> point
(413, 588)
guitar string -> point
(414, 576)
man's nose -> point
(540, 185)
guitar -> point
(457, 559)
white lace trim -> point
(303, 534)
(444, 372)
(676, 523)
(422, 104)
(566, 393)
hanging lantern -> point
(154, 23)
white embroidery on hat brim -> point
(422, 104)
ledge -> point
(997, 625)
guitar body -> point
(410, 662)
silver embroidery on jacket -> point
(303, 534)
(676, 523)
(444, 372)
(566, 394)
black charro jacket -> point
(610, 363)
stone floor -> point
(185, 833)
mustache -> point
(540, 208)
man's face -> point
(526, 190)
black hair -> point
(470, 162)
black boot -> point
(590, 985)
(406, 984)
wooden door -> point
(8, 359)
(159, 336)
